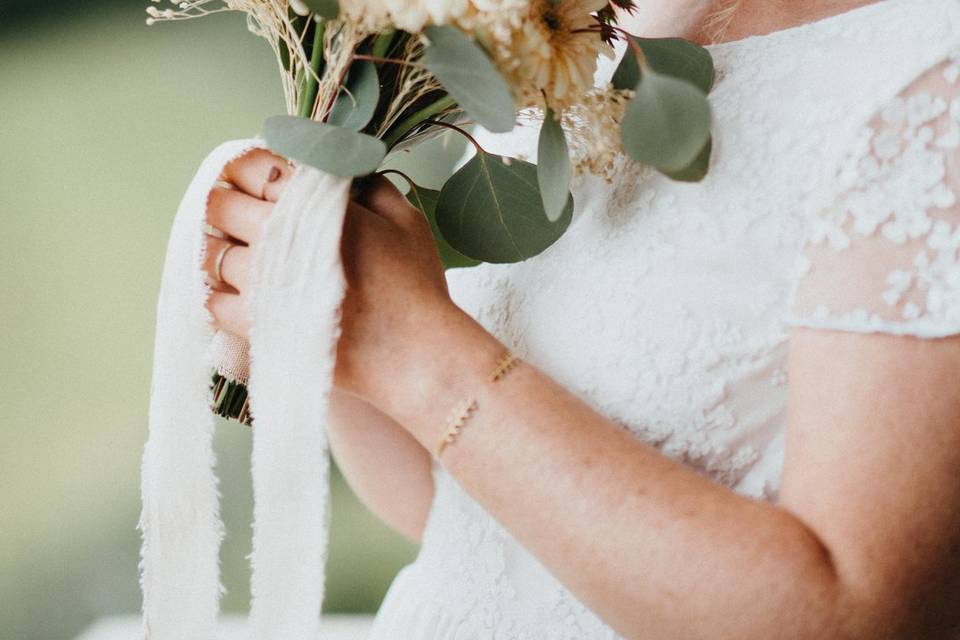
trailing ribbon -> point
(297, 288)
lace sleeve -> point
(883, 255)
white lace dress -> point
(831, 204)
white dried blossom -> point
(408, 15)
(593, 126)
(494, 20)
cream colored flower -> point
(445, 11)
(408, 15)
(553, 53)
(494, 20)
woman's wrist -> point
(448, 360)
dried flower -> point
(408, 15)
(552, 54)
(607, 18)
(594, 130)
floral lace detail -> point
(883, 255)
(472, 593)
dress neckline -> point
(802, 29)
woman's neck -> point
(760, 17)
(686, 18)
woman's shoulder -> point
(882, 252)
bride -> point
(717, 410)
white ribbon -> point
(298, 285)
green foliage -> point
(383, 43)
(627, 75)
(696, 170)
(426, 201)
(491, 210)
(357, 103)
(674, 57)
(553, 167)
(470, 77)
(667, 122)
(310, 78)
(329, 9)
(338, 151)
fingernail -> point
(274, 174)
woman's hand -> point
(396, 286)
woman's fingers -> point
(380, 196)
(260, 174)
(237, 214)
(229, 313)
(234, 262)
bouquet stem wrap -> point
(295, 308)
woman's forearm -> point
(657, 550)
(385, 466)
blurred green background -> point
(102, 123)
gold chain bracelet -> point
(506, 362)
(466, 407)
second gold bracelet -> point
(466, 407)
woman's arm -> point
(864, 544)
(385, 466)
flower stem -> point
(407, 179)
(453, 127)
(309, 95)
(382, 44)
(403, 63)
(230, 399)
(415, 119)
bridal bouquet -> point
(366, 78)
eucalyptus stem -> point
(415, 119)
(309, 95)
(397, 172)
(382, 43)
(402, 63)
(453, 127)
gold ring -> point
(218, 263)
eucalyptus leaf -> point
(667, 123)
(675, 57)
(356, 105)
(491, 210)
(627, 75)
(470, 77)
(553, 167)
(338, 151)
(329, 9)
(681, 59)
(426, 201)
(697, 170)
